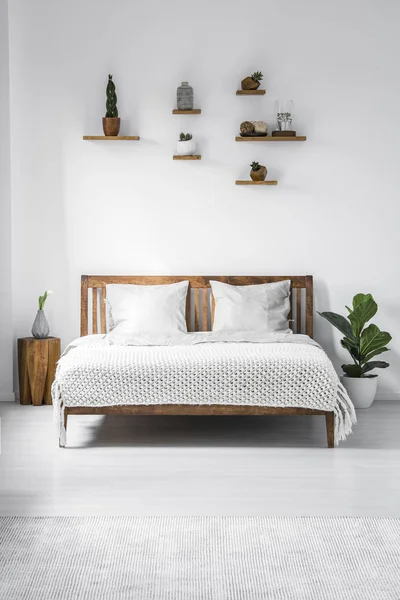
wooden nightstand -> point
(37, 361)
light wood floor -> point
(198, 465)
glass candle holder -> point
(284, 115)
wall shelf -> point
(112, 138)
(270, 138)
(250, 92)
(251, 182)
(194, 111)
(186, 157)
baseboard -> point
(7, 397)
(392, 396)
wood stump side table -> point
(37, 361)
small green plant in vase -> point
(111, 122)
(258, 172)
(40, 327)
(186, 145)
(252, 82)
(363, 343)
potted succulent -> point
(258, 172)
(363, 343)
(252, 82)
(111, 122)
(185, 145)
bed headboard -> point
(200, 303)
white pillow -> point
(143, 309)
(263, 307)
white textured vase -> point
(40, 327)
(186, 148)
(362, 390)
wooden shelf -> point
(112, 138)
(187, 157)
(270, 138)
(251, 182)
(194, 111)
(250, 92)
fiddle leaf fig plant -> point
(363, 343)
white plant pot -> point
(361, 390)
(186, 148)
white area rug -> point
(199, 558)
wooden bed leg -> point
(330, 428)
(62, 442)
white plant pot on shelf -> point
(186, 148)
(361, 390)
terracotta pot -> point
(111, 126)
(249, 84)
(260, 174)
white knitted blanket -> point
(280, 370)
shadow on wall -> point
(41, 261)
(323, 332)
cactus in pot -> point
(258, 172)
(111, 122)
(252, 82)
(186, 145)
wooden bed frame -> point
(199, 317)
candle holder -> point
(284, 119)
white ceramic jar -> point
(186, 148)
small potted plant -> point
(40, 327)
(363, 343)
(111, 122)
(252, 82)
(258, 172)
(185, 145)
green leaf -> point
(374, 364)
(351, 347)
(350, 342)
(374, 353)
(364, 308)
(352, 370)
(339, 322)
(372, 338)
(359, 298)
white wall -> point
(84, 207)
(6, 327)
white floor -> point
(198, 465)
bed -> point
(304, 361)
